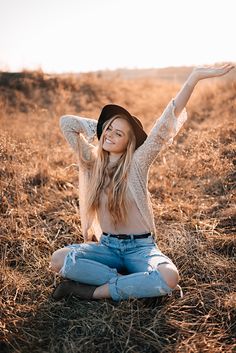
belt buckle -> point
(122, 236)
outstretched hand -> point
(198, 73)
(201, 72)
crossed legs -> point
(97, 265)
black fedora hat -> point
(109, 110)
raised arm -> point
(198, 73)
(174, 116)
(72, 126)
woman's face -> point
(116, 137)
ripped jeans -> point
(100, 263)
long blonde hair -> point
(113, 179)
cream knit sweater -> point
(162, 133)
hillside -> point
(193, 189)
(169, 74)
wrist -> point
(192, 80)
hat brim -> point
(111, 110)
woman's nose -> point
(109, 133)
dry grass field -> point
(193, 188)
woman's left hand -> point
(201, 72)
(198, 73)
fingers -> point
(225, 69)
(227, 66)
(217, 66)
(216, 70)
(221, 66)
(222, 69)
(231, 66)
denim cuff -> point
(113, 289)
(154, 288)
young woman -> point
(115, 203)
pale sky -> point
(88, 35)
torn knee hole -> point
(54, 266)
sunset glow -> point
(89, 35)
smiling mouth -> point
(108, 141)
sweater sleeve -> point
(73, 126)
(162, 133)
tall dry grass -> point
(193, 189)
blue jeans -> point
(100, 263)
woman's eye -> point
(118, 134)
